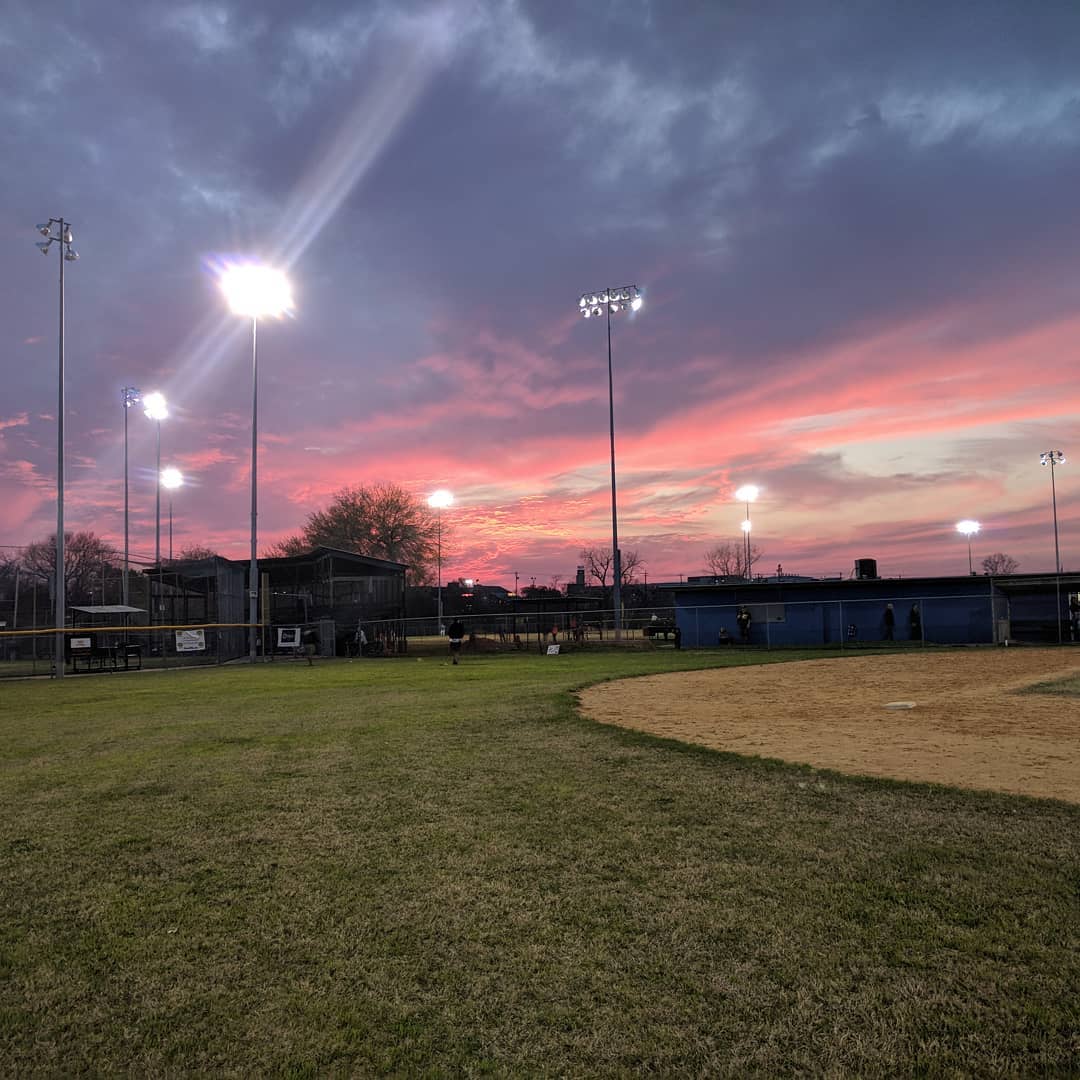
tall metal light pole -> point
(171, 479)
(968, 528)
(131, 396)
(155, 408)
(1053, 458)
(63, 240)
(747, 494)
(438, 502)
(610, 302)
(253, 291)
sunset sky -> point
(858, 238)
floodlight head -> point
(586, 312)
(43, 246)
(1052, 457)
(67, 238)
(615, 308)
(440, 499)
(635, 304)
(968, 528)
(255, 290)
(171, 478)
(155, 407)
(71, 255)
(593, 299)
(598, 310)
(583, 302)
(43, 229)
(747, 493)
(745, 525)
(131, 396)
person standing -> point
(311, 644)
(743, 620)
(915, 623)
(890, 622)
(456, 634)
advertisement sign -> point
(288, 637)
(190, 640)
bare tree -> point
(555, 583)
(87, 559)
(729, 560)
(383, 521)
(283, 549)
(195, 553)
(1000, 563)
(598, 563)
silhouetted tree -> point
(598, 563)
(1000, 563)
(195, 552)
(729, 560)
(382, 521)
(87, 558)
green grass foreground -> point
(404, 867)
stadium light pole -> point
(968, 528)
(63, 240)
(439, 501)
(130, 397)
(608, 302)
(1053, 458)
(156, 409)
(254, 291)
(748, 493)
(171, 478)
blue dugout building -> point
(788, 612)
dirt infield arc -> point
(970, 727)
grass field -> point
(404, 867)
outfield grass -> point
(404, 867)
(1067, 687)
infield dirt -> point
(971, 725)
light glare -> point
(747, 493)
(441, 499)
(171, 478)
(968, 528)
(154, 406)
(254, 291)
(745, 525)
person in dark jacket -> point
(456, 634)
(743, 621)
(890, 621)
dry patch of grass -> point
(403, 867)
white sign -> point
(190, 640)
(81, 643)
(288, 637)
(553, 650)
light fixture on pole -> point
(254, 291)
(748, 493)
(63, 240)
(130, 397)
(968, 528)
(608, 302)
(171, 478)
(439, 501)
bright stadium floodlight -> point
(155, 406)
(592, 305)
(62, 238)
(439, 501)
(747, 494)
(968, 528)
(255, 291)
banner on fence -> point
(190, 640)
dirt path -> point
(969, 727)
